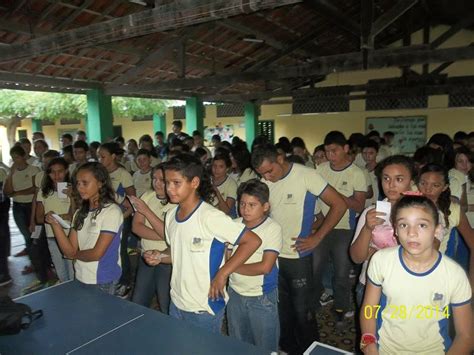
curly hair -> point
(47, 185)
(190, 167)
(106, 192)
(444, 199)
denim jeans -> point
(335, 246)
(254, 320)
(153, 280)
(298, 326)
(63, 266)
(5, 241)
(22, 215)
(359, 293)
(202, 319)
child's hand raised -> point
(374, 218)
(139, 205)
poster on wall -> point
(410, 131)
(225, 131)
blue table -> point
(80, 320)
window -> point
(267, 129)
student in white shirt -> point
(152, 280)
(142, 177)
(94, 238)
(196, 233)
(252, 311)
(413, 289)
(225, 187)
(294, 191)
(50, 199)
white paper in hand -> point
(61, 221)
(62, 186)
(384, 207)
(37, 232)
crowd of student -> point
(265, 236)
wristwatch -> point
(366, 340)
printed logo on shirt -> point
(438, 299)
(290, 200)
(197, 245)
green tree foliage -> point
(18, 105)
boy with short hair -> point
(80, 150)
(142, 177)
(294, 190)
(349, 180)
(252, 310)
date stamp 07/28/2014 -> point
(404, 312)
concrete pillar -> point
(251, 122)
(36, 125)
(99, 123)
(159, 123)
(194, 115)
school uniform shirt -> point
(347, 181)
(449, 239)
(457, 180)
(33, 161)
(108, 268)
(39, 179)
(228, 189)
(197, 251)
(270, 233)
(293, 203)
(142, 182)
(375, 188)
(23, 179)
(73, 167)
(414, 307)
(160, 209)
(121, 179)
(470, 201)
(247, 175)
(52, 203)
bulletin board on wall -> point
(410, 131)
(225, 131)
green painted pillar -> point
(99, 123)
(159, 123)
(36, 125)
(251, 122)
(194, 115)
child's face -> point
(57, 173)
(396, 179)
(300, 152)
(39, 148)
(336, 154)
(179, 188)
(432, 185)
(143, 162)
(18, 159)
(87, 185)
(105, 158)
(80, 154)
(463, 164)
(271, 171)
(219, 169)
(369, 154)
(319, 157)
(416, 229)
(159, 183)
(251, 209)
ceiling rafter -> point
(70, 19)
(324, 65)
(138, 24)
(393, 14)
(333, 14)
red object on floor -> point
(27, 270)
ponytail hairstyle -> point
(444, 200)
(47, 185)
(106, 192)
(190, 167)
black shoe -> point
(123, 291)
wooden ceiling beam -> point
(70, 19)
(462, 24)
(47, 81)
(324, 65)
(138, 24)
(333, 14)
(393, 14)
